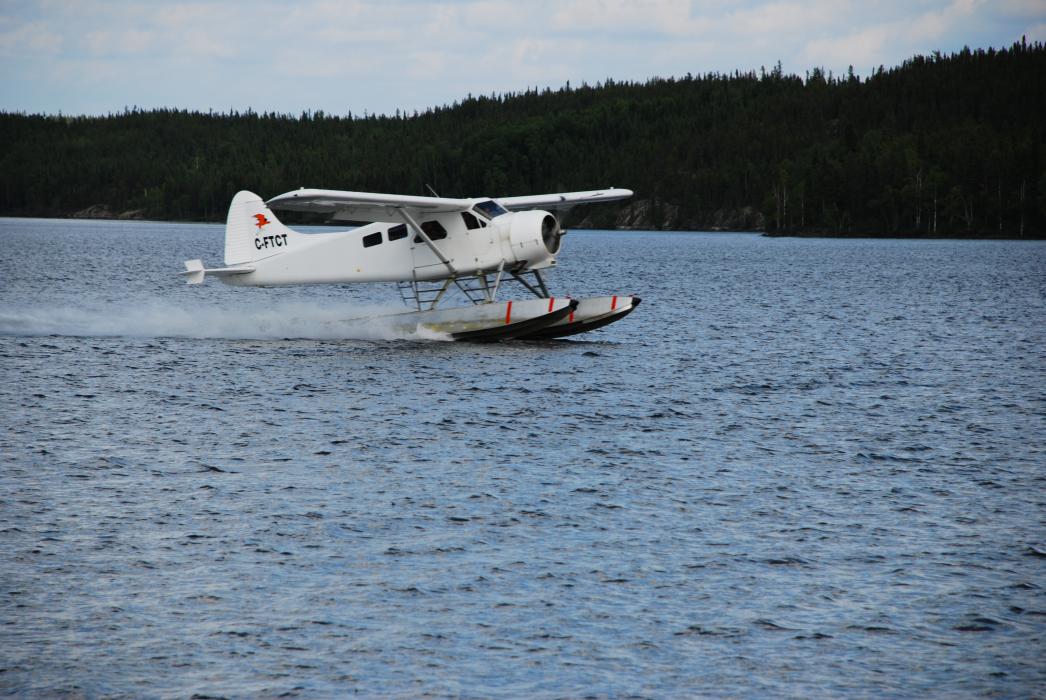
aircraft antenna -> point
(429, 188)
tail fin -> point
(252, 231)
(194, 271)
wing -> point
(365, 206)
(563, 200)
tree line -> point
(942, 145)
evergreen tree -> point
(941, 145)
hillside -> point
(939, 146)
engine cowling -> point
(535, 238)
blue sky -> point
(99, 56)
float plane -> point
(433, 248)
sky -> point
(379, 56)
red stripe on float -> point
(508, 313)
(550, 302)
(613, 303)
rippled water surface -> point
(801, 468)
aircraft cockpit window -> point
(372, 239)
(471, 222)
(489, 208)
(434, 230)
(398, 232)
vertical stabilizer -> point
(252, 231)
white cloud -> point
(932, 25)
(623, 17)
(131, 41)
(202, 45)
(782, 19)
(1021, 8)
(185, 15)
(535, 60)
(1035, 32)
(891, 41)
(93, 71)
(379, 55)
(862, 48)
(488, 16)
(428, 64)
(358, 36)
(34, 38)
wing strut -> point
(409, 220)
(543, 294)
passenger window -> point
(372, 239)
(397, 232)
(434, 230)
(470, 220)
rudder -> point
(252, 231)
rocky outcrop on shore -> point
(102, 211)
(655, 215)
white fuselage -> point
(393, 251)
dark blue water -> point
(801, 468)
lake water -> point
(802, 467)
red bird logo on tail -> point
(262, 221)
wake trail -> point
(158, 319)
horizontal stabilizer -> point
(196, 272)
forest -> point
(942, 145)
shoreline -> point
(973, 236)
(766, 234)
